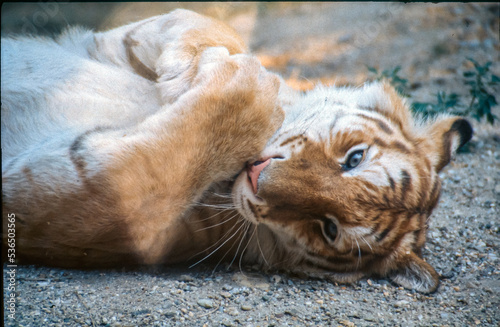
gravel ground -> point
(308, 43)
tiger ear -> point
(445, 136)
(384, 99)
(414, 273)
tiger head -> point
(347, 185)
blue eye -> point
(330, 230)
(354, 160)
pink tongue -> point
(254, 172)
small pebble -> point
(232, 312)
(347, 323)
(186, 278)
(246, 307)
(206, 303)
(497, 189)
(227, 295)
(276, 279)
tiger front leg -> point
(159, 169)
(165, 49)
(237, 111)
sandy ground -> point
(307, 44)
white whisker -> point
(359, 254)
(218, 224)
(218, 241)
(223, 206)
(246, 246)
(232, 246)
(260, 249)
(366, 242)
(224, 196)
(241, 242)
(216, 214)
(211, 253)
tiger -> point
(165, 141)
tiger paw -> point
(236, 109)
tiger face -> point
(348, 183)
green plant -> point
(482, 100)
(391, 75)
(448, 103)
(480, 82)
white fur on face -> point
(313, 114)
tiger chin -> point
(165, 141)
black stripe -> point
(333, 259)
(323, 266)
(78, 145)
(380, 237)
(379, 142)
(387, 201)
(291, 139)
(401, 147)
(381, 124)
(391, 180)
(434, 195)
(405, 184)
(435, 188)
(374, 229)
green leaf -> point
(420, 106)
(495, 78)
(476, 64)
(372, 70)
(469, 73)
(475, 93)
(452, 100)
(481, 108)
(482, 90)
(472, 60)
(491, 100)
(491, 118)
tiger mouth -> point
(254, 169)
(253, 172)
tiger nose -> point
(254, 171)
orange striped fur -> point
(163, 141)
